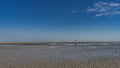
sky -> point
(59, 20)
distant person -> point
(75, 42)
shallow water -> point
(15, 53)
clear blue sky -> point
(59, 20)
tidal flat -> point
(60, 56)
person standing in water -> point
(76, 42)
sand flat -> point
(59, 56)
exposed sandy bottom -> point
(60, 56)
(98, 62)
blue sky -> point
(59, 20)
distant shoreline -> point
(35, 43)
(48, 43)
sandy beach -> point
(62, 56)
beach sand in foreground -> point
(96, 62)
(59, 57)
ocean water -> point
(19, 53)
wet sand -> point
(113, 62)
(62, 56)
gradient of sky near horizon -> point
(59, 20)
